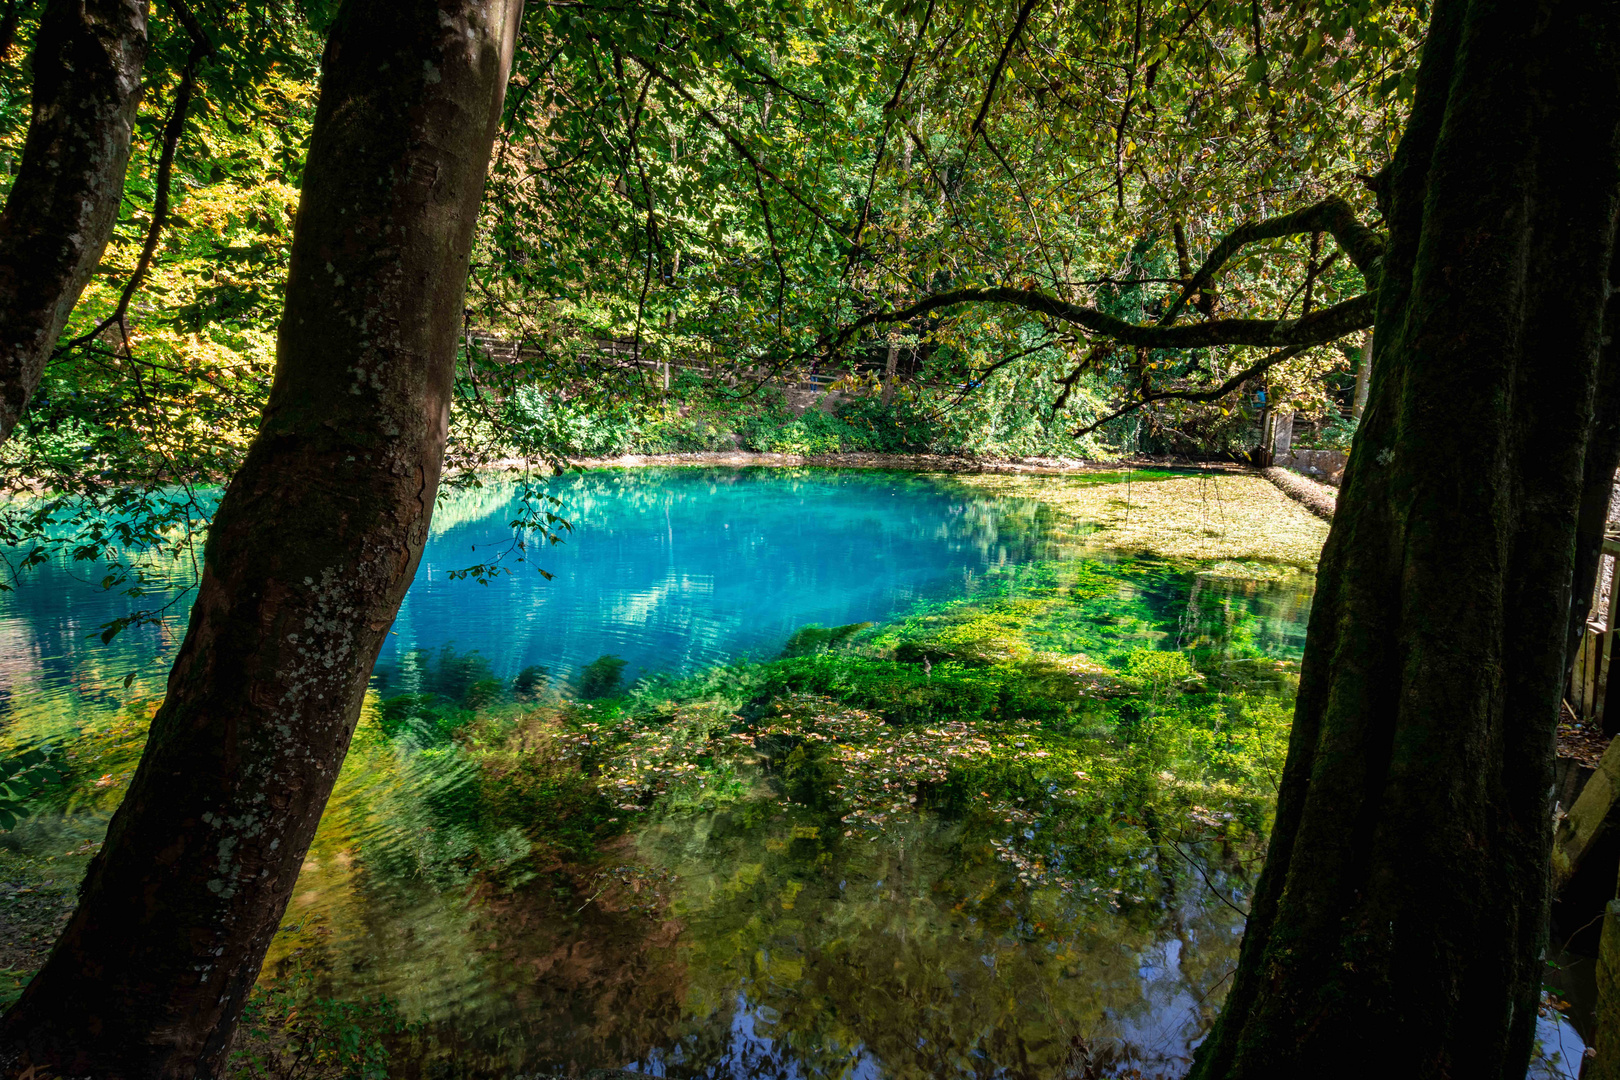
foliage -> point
(1336, 433)
(730, 199)
(713, 418)
(289, 1031)
(698, 196)
(21, 778)
(136, 417)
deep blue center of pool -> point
(670, 569)
(674, 570)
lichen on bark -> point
(311, 551)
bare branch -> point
(911, 60)
(1001, 64)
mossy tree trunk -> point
(1399, 921)
(310, 554)
(61, 209)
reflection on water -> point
(766, 933)
(761, 942)
(671, 569)
(677, 569)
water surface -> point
(1040, 931)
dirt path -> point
(1318, 498)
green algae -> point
(1005, 827)
(946, 839)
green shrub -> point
(885, 429)
(582, 426)
(1336, 434)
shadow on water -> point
(787, 773)
(974, 862)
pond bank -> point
(1317, 497)
(944, 463)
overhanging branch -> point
(1212, 394)
(1333, 216)
(1317, 328)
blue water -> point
(674, 570)
(670, 569)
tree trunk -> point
(310, 554)
(62, 207)
(1403, 903)
(890, 366)
(1358, 404)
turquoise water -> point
(674, 570)
(670, 569)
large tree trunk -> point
(310, 554)
(64, 202)
(1398, 923)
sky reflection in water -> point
(778, 948)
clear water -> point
(669, 569)
(673, 570)
(760, 939)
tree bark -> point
(62, 207)
(1363, 378)
(1403, 905)
(890, 366)
(310, 554)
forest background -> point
(687, 209)
(1015, 196)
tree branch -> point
(1317, 328)
(1214, 394)
(1001, 64)
(1332, 215)
(172, 130)
(741, 148)
(911, 60)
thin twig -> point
(160, 205)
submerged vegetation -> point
(1021, 790)
(1081, 775)
(1226, 518)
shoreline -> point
(936, 463)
